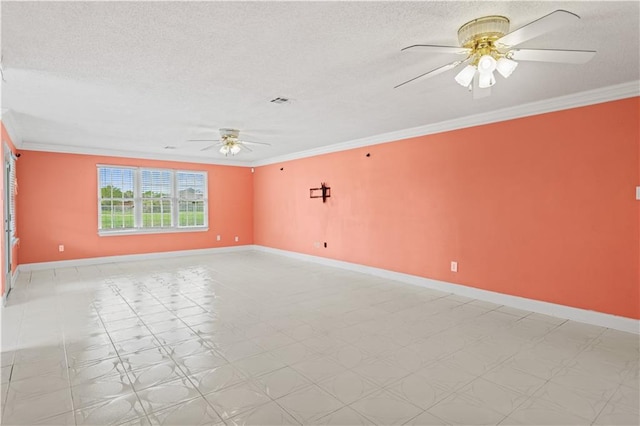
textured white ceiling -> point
(138, 76)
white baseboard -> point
(26, 267)
(14, 277)
(561, 311)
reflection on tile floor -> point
(253, 338)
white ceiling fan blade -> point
(547, 23)
(552, 55)
(433, 72)
(207, 148)
(243, 146)
(254, 143)
(438, 49)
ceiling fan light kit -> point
(230, 147)
(479, 36)
(230, 142)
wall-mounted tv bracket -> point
(323, 192)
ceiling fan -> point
(488, 46)
(229, 142)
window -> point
(150, 200)
(116, 198)
(191, 199)
(156, 198)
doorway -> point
(9, 211)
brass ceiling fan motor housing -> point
(480, 34)
(229, 133)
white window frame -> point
(137, 203)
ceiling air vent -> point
(279, 100)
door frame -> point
(9, 162)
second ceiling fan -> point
(229, 142)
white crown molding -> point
(11, 127)
(590, 97)
(28, 267)
(84, 150)
(561, 311)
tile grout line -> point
(66, 356)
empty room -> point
(320, 213)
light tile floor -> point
(254, 338)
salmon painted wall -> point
(15, 248)
(540, 207)
(60, 191)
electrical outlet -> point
(61, 248)
(237, 239)
(454, 266)
(218, 238)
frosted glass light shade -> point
(230, 148)
(465, 77)
(506, 66)
(486, 64)
(486, 79)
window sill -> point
(110, 233)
